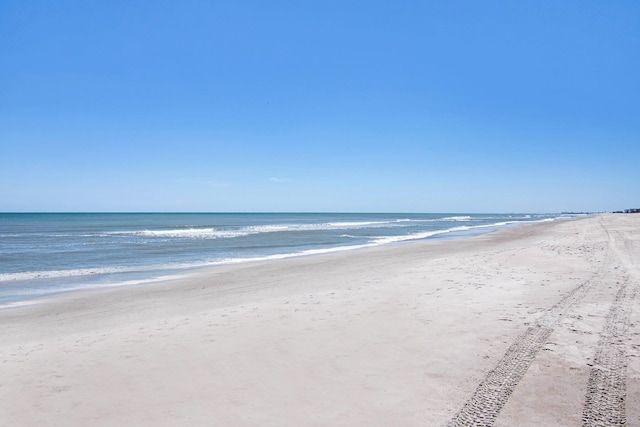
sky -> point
(319, 106)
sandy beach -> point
(536, 324)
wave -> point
(426, 234)
(291, 254)
(456, 218)
(79, 272)
(54, 274)
(215, 233)
(201, 233)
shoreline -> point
(400, 334)
(168, 273)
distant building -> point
(632, 211)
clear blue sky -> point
(414, 106)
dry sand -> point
(532, 325)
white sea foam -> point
(291, 254)
(79, 272)
(201, 233)
(426, 234)
(52, 274)
(344, 225)
(17, 304)
(215, 233)
(418, 236)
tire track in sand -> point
(606, 389)
(493, 392)
(605, 402)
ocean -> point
(47, 253)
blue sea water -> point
(47, 253)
